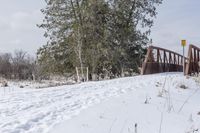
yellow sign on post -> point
(183, 43)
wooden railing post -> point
(192, 65)
(144, 65)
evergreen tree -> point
(105, 36)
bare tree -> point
(23, 65)
(5, 65)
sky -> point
(176, 20)
(18, 30)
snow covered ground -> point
(149, 104)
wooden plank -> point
(170, 58)
(188, 65)
(158, 55)
(162, 49)
(178, 60)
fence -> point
(192, 65)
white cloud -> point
(4, 25)
(25, 20)
(18, 28)
(19, 31)
(15, 42)
(18, 18)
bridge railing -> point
(160, 60)
(193, 62)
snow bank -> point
(114, 106)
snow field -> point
(114, 106)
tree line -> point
(106, 36)
(19, 65)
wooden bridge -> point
(159, 60)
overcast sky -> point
(176, 20)
(18, 30)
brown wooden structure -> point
(160, 60)
(193, 62)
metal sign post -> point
(183, 43)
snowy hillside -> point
(161, 103)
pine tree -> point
(105, 36)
